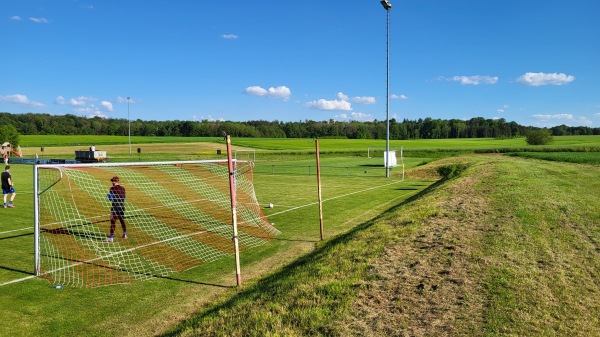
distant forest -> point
(428, 128)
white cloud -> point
(82, 105)
(552, 117)
(539, 79)
(282, 92)
(583, 121)
(567, 119)
(15, 18)
(255, 90)
(229, 36)
(503, 108)
(124, 99)
(80, 101)
(355, 116)
(357, 99)
(21, 100)
(472, 80)
(363, 99)
(90, 111)
(343, 97)
(208, 118)
(335, 104)
(106, 105)
(402, 97)
(39, 20)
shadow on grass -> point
(276, 283)
(195, 282)
(16, 270)
(135, 272)
(294, 240)
(16, 236)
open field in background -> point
(511, 247)
(341, 145)
(153, 148)
(570, 157)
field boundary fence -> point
(311, 170)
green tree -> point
(539, 137)
(8, 133)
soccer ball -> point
(270, 205)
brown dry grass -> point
(427, 284)
(482, 255)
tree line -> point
(427, 128)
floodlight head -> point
(386, 4)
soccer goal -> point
(395, 156)
(248, 155)
(177, 215)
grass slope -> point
(510, 248)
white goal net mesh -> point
(177, 216)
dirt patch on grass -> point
(428, 284)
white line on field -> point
(332, 198)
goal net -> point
(177, 216)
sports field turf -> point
(460, 253)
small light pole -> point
(388, 7)
(129, 123)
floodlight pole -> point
(388, 7)
(129, 123)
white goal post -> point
(177, 215)
(395, 157)
(250, 155)
(379, 151)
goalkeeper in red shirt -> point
(117, 211)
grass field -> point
(65, 145)
(511, 247)
(570, 157)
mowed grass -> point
(86, 141)
(340, 145)
(35, 308)
(510, 248)
(458, 258)
(34, 143)
(592, 158)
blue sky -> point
(530, 61)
